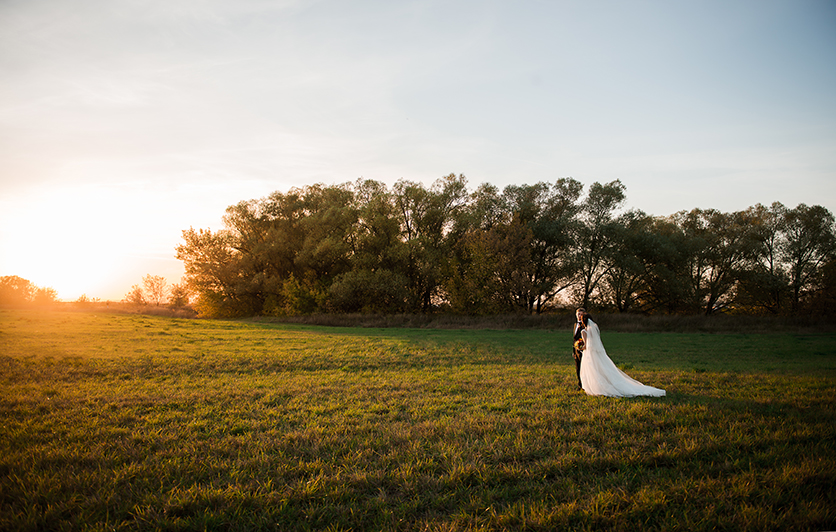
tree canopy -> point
(15, 290)
(366, 247)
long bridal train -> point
(600, 375)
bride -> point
(599, 375)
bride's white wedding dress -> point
(600, 376)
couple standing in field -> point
(597, 374)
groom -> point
(577, 344)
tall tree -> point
(470, 275)
(136, 296)
(549, 212)
(156, 289)
(810, 242)
(823, 296)
(45, 296)
(289, 244)
(429, 217)
(596, 235)
(719, 246)
(624, 279)
(377, 280)
(732, 250)
(327, 232)
(483, 209)
(212, 265)
(765, 285)
(661, 249)
(180, 295)
(493, 271)
(553, 242)
(16, 290)
(266, 235)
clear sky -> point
(124, 122)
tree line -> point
(16, 290)
(409, 248)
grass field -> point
(130, 422)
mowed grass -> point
(120, 422)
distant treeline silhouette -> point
(16, 290)
(365, 247)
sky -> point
(125, 122)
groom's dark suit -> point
(577, 350)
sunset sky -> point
(124, 122)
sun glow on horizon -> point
(84, 240)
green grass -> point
(128, 422)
